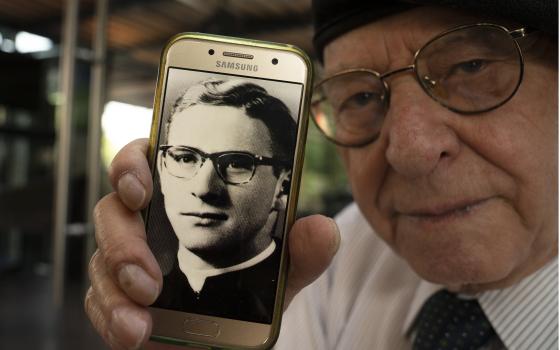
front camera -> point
(211, 52)
(275, 61)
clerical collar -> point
(197, 277)
(518, 314)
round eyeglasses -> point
(469, 69)
(233, 167)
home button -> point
(200, 327)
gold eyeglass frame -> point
(514, 34)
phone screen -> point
(222, 173)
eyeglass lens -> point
(354, 107)
(232, 167)
(468, 70)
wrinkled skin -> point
(469, 201)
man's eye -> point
(185, 158)
(239, 165)
(470, 67)
(359, 100)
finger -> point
(313, 242)
(93, 311)
(128, 260)
(130, 174)
(98, 320)
(117, 318)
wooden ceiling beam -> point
(225, 24)
(50, 26)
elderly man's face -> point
(208, 215)
(468, 201)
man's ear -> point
(282, 190)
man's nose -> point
(206, 181)
(419, 135)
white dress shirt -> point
(369, 298)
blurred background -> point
(77, 83)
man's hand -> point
(125, 277)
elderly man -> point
(447, 122)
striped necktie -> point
(447, 322)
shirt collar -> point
(525, 316)
(197, 277)
(522, 315)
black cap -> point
(332, 18)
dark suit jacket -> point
(246, 294)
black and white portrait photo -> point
(222, 176)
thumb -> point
(313, 242)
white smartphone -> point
(226, 151)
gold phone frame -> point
(168, 325)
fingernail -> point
(138, 284)
(130, 328)
(131, 191)
(335, 241)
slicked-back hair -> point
(256, 102)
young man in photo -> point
(223, 165)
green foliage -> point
(324, 187)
